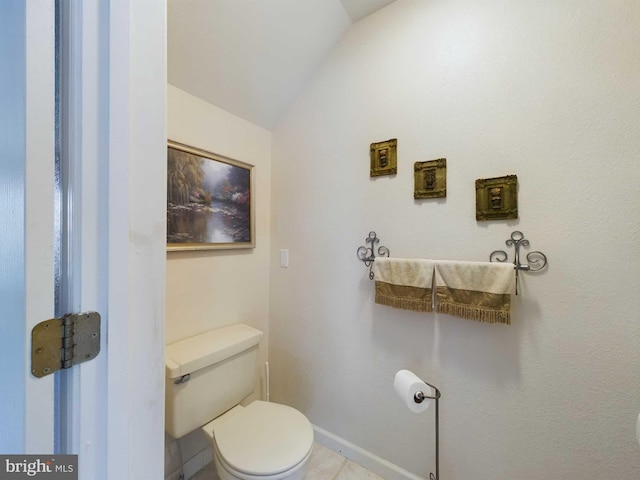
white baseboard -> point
(368, 460)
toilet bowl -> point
(265, 441)
(208, 376)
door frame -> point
(111, 408)
(117, 147)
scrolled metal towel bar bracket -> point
(537, 260)
(368, 255)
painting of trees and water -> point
(209, 202)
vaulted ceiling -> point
(252, 57)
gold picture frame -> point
(497, 198)
(384, 158)
(210, 200)
(430, 179)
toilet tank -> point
(208, 374)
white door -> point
(109, 410)
(26, 197)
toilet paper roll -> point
(407, 384)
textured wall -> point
(213, 288)
(548, 91)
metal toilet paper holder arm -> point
(420, 397)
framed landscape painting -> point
(210, 201)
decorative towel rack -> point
(537, 260)
(367, 254)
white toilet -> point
(207, 377)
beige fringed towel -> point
(404, 283)
(475, 290)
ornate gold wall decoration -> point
(497, 198)
(430, 179)
(384, 158)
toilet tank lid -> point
(200, 351)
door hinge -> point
(64, 342)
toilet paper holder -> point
(420, 397)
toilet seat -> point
(296, 473)
(262, 439)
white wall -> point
(213, 288)
(544, 90)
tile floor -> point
(324, 464)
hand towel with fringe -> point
(405, 283)
(475, 290)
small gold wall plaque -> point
(430, 179)
(497, 198)
(384, 158)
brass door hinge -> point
(64, 342)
